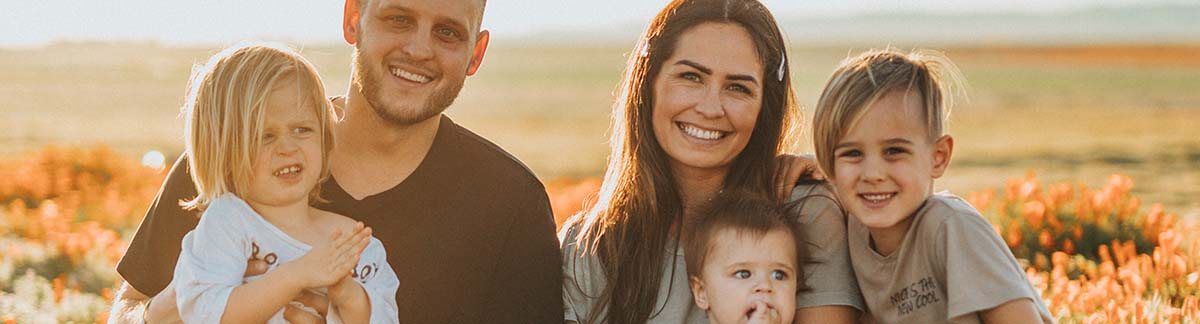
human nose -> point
(764, 285)
(873, 170)
(710, 105)
(419, 46)
(287, 145)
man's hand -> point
(319, 303)
(791, 169)
(162, 308)
(295, 315)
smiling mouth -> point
(410, 76)
(877, 198)
(288, 170)
(701, 133)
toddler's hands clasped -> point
(332, 261)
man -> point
(467, 227)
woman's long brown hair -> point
(629, 226)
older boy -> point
(919, 257)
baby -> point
(743, 261)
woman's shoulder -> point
(812, 201)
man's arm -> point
(129, 306)
(149, 261)
(527, 284)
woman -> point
(705, 106)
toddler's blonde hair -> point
(224, 113)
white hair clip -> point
(782, 65)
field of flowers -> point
(1095, 254)
(1098, 255)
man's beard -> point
(369, 77)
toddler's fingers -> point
(353, 236)
(761, 311)
(336, 236)
(255, 267)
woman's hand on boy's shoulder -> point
(791, 170)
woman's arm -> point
(826, 314)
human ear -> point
(481, 44)
(943, 149)
(698, 292)
(350, 19)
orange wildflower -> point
(1034, 212)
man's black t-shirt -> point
(469, 234)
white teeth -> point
(287, 170)
(697, 132)
(410, 76)
(877, 197)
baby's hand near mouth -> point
(762, 313)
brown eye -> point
(739, 88)
(690, 76)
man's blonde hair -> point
(860, 81)
(224, 113)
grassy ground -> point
(1069, 113)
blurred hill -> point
(1140, 24)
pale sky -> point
(32, 23)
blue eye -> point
(894, 151)
(741, 274)
(779, 275)
(448, 33)
(850, 153)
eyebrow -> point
(890, 141)
(772, 265)
(708, 71)
(454, 23)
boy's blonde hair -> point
(224, 113)
(858, 82)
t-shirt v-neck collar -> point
(435, 151)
